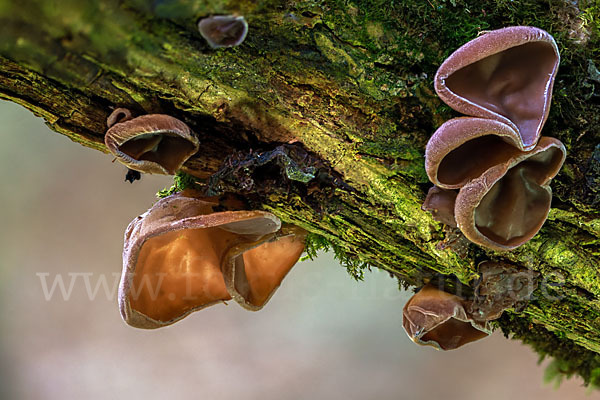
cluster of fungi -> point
(491, 169)
(190, 251)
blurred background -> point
(63, 212)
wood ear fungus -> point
(253, 272)
(508, 204)
(500, 163)
(177, 259)
(461, 149)
(223, 30)
(435, 318)
(504, 195)
(445, 321)
(440, 203)
(153, 143)
(506, 75)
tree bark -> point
(346, 88)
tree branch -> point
(347, 86)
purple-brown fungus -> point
(440, 203)
(505, 194)
(223, 30)
(433, 317)
(153, 143)
(506, 75)
(173, 253)
(508, 204)
(436, 318)
(497, 159)
(252, 274)
(462, 149)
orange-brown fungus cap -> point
(508, 204)
(506, 75)
(153, 143)
(174, 253)
(435, 318)
(253, 273)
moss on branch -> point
(351, 82)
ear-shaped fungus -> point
(505, 193)
(253, 273)
(173, 256)
(440, 203)
(435, 318)
(461, 149)
(506, 75)
(153, 143)
(508, 204)
(223, 30)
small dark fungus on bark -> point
(440, 203)
(118, 115)
(501, 286)
(223, 30)
(153, 143)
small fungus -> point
(223, 30)
(436, 318)
(177, 259)
(506, 75)
(153, 143)
(440, 202)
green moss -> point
(351, 80)
(317, 243)
(590, 16)
(181, 181)
(568, 359)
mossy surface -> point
(351, 82)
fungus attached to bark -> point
(223, 30)
(462, 149)
(506, 75)
(173, 255)
(501, 286)
(440, 203)
(253, 273)
(182, 256)
(435, 318)
(153, 143)
(504, 195)
(508, 204)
